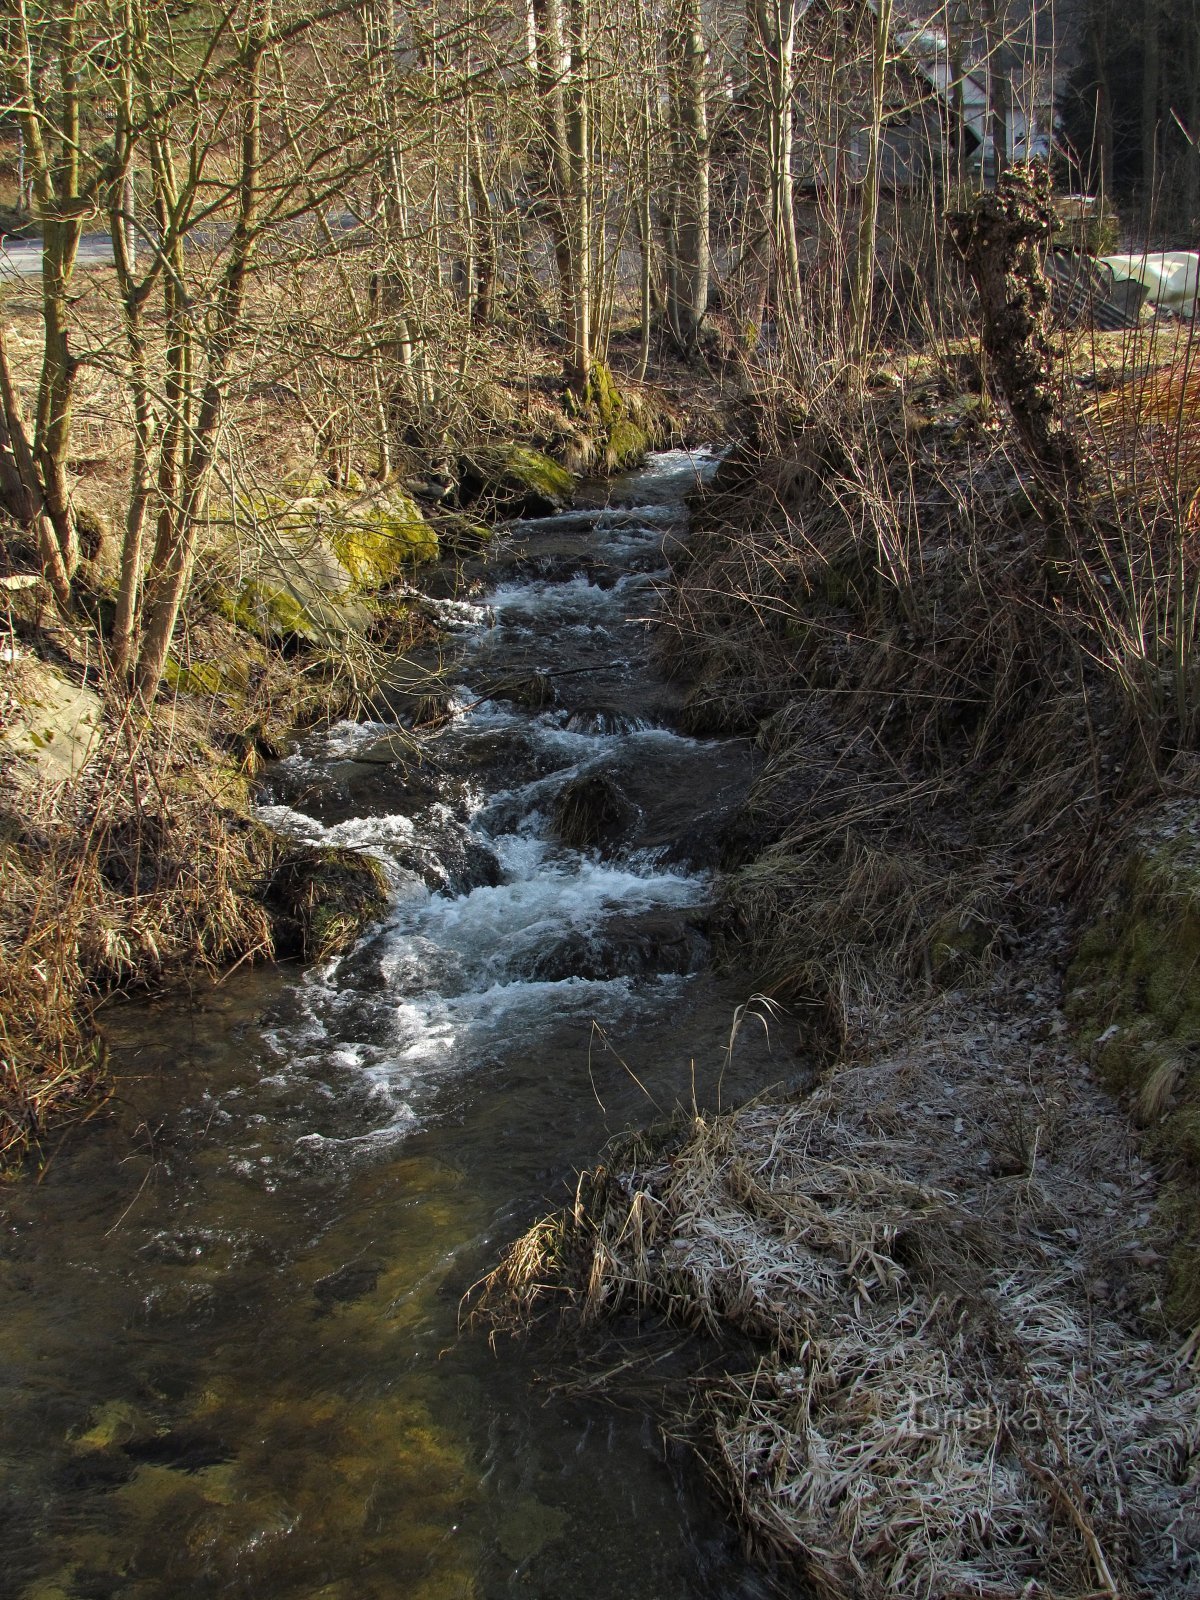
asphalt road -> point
(22, 258)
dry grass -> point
(951, 713)
(959, 1391)
(142, 868)
(1156, 415)
(949, 1257)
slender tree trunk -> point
(1103, 128)
(688, 281)
(56, 391)
(20, 480)
(646, 244)
(133, 297)
(1192, 155)
(1151, 84)
(864, 263)
(551, 68)
(958, 118)
(579, 148)
(645, 170)
(483, 305)
(49, 117)
(128, 219)
(771, 49)
(999, 84)
(181, 514)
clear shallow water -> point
(229, 1359)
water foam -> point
(449, 978)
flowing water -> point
(229, 1358)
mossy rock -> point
(54, 724)
(623, 421)
(115, 1425)
(602, 397)
(627, 444)
(378, 539)
(623, 439)
(321, 898)
(326, 549)
(515, 480)
(211, 678)
(276, 612)
(1133, 997)
(957, 944)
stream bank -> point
(130, 841)
(963, 1274)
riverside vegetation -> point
(958, 1292)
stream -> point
(229, 1352)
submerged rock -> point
(345, 1285)
(591, 810)
(320, 898)
(639, 945)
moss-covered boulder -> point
(320, 899)
(1134, 997)
(289, 605)
(312, 556)
(624, 438)
(377, 539)
(514, 480)
(229, 678)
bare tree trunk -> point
(181, 511)
(688, 276)
(579, 146)
(646, 279)
(551, 68)
(483, 306)
(999, 84)
(958, 118)
(133, 298)
(49, 117)
(645, 214)
(1192, 157)
(128, 219)
(1151, 84)
(771, 48)
(20, 481)
(1102, 135)
(864, 263)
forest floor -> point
(958, 1280)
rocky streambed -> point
(229, 1358)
